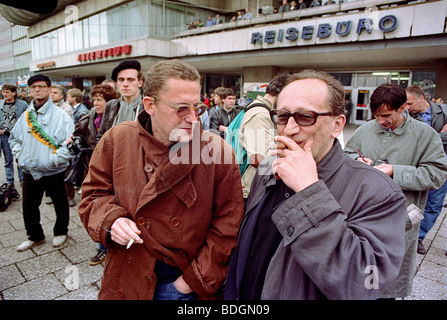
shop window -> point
(427, 81)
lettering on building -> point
(324, 30)
(104, 53)
(46, 65)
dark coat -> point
(220, 117)
(335, 232)
(438, 120)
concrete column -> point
(77, 83)
(441, 80)
(97, 80)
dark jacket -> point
(110, 113)
(188, 212)
(438, 120)
(20, 107)
(222, 117)
(85, 134)
(335, 233)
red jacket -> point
(188, 213)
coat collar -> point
(168, 173)
(43, 109)
(399, 130)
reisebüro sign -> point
(344, 28)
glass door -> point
(361, 112)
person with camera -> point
(84, 140)
(11, 108)
(412, 154)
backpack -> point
(5, 196)
(232, 136)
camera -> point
(73, 147)
(378, 162)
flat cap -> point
(125, 64)
(39, 77)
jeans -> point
(435, 201)
(9, 160)
(168, 291)
(32, 198)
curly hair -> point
(105, 91)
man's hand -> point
(124, 229)
(182, 286)
(366, 160)
(386, 168)
(295, 165)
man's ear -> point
(340, 122)
(149, 103)
(402, 108)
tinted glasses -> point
(183, 110)
(302, 118)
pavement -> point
(64, 273)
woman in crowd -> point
(84, 138)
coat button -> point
(175, 222)
(290, 230)
(121, 294)
(141, 221)
(148, 168)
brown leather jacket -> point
(188, 213)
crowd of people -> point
(285, 6)
(306, 219)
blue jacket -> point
(79, 112)
(33, 156)
(20, 107)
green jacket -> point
(419, 164)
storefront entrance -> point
(358, 111)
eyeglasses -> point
(302, 118)
(34, 87)
(183, 110)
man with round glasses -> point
(317, 224)
(169, 227)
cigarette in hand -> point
(130, 243)
(279, 145)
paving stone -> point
(47, 287)
(44, 264)
(10, 276)
(10, 255)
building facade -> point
(15, 53)
(363, 43)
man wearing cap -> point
(38, 142)
(129, 79)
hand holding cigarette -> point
(125, 232)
